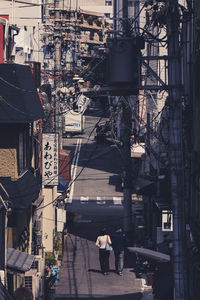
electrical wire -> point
(88, 75)
(149, 147)
(16, 87)
(114, 135)
(19, 111)
(88, 160)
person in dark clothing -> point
(100, 138)
(118, 240)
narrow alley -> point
(99, 149)
(95, 204)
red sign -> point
(2, 38)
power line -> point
(88, 160)
(19, 111)
(16, 87)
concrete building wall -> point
(48, 222)
(28, 18)
(97, 6)
(21, 14)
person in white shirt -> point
(101, 242)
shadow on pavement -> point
(134, 296)
(98, 271)
(97, 112)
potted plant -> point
(49, 259)
(57, 244)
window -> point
(23, 148)
(108, 3)
(28, 282)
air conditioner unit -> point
(38, 224)
(38, 265)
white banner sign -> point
(50, 159)
(61, 219)
(167, 220)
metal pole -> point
(127, 190)
(175, 154)
(114, 17)
(127, 220)
(57, 71)
(125, 17)
(125, 9)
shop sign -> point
(50, 159)
(167, 220)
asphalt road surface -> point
(95, 202)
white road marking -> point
(74, 168)
(74, 158)
(84, 199)
(117, 200)
(100, 201)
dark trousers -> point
(119, 260)
(104, 260)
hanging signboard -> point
(50, 159)
(167, 220)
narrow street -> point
(95, 202)
(99, 148)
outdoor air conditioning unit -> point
(38, 265)
(38, 224)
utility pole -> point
(57, 71)
(127, 125)
(127, 190)
(175, 153)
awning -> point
(19, 100)
(4, 294)
(140, 185)
(23, 191)
(19, 261)
(150, 253)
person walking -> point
(118, 240)
(104, 254)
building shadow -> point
(98, 271)
(132, 296)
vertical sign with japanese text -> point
(50, 159)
